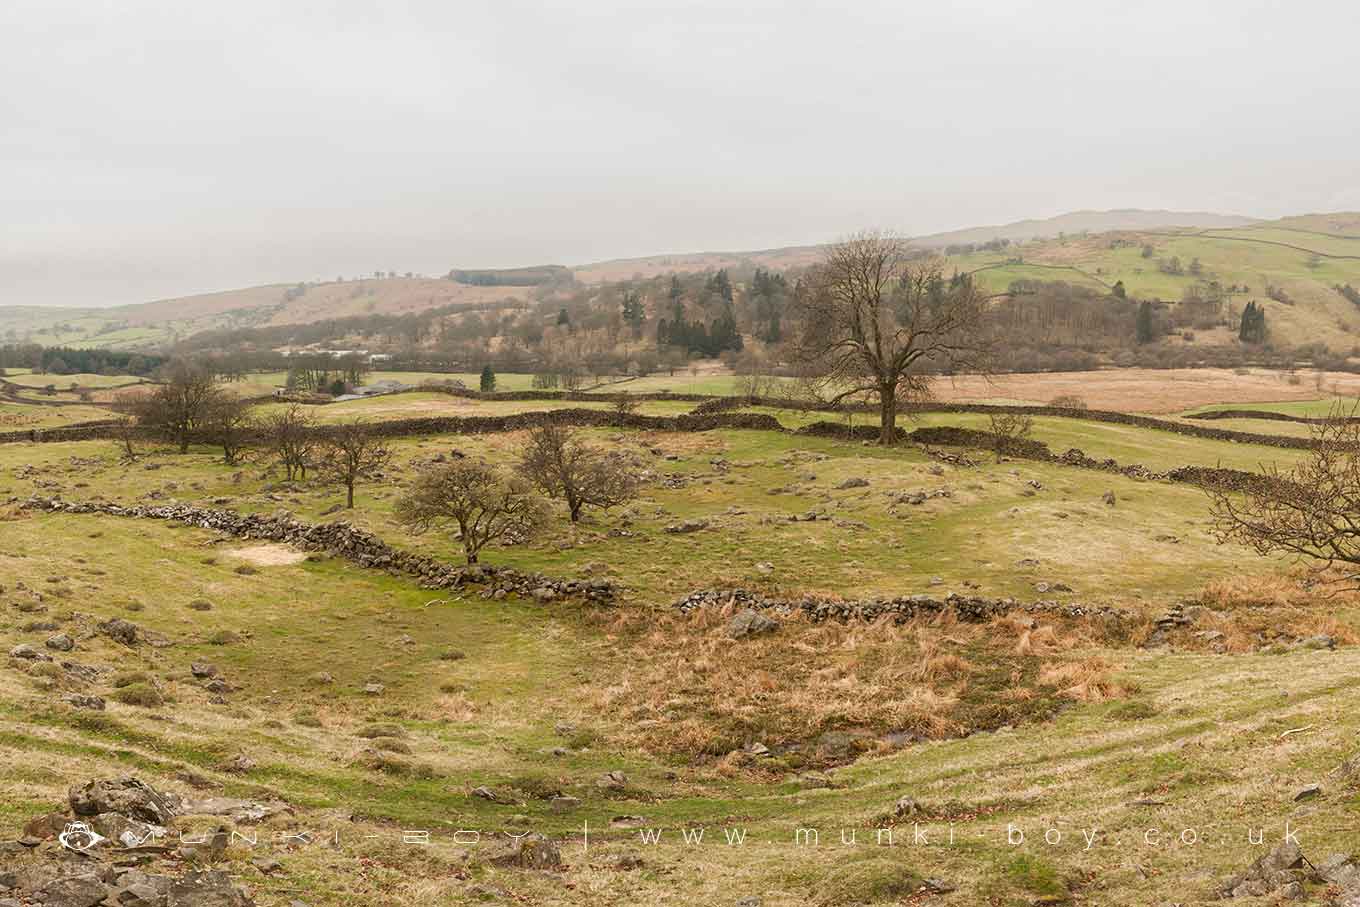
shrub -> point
(140, 694)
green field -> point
(28, 379)
(1023, 722)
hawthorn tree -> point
(483, 503)
(1008, 430)
(875, 321)
(1309, 510)
(290, 435)
(561, 467)
(351, 452)
(230, 424)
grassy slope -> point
(1318, 312)
(1209, 751)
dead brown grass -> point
(823, 693)
(1251, 612)
(1143, 390)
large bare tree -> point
(1311, 510)
(876, 323)
(181, 404)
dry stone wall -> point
(342, 539)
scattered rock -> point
(906, 806)
(685, 527)
(127, 796)
(25, 652)
(750, 622)
(1108, 498)
(1280, 867)
(532, 851)
(60, 643)
(120, 630)
(855, 482)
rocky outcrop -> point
(116, 848)
(342, 539)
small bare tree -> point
(562, 467)
(874, 321)
(125, 433)
(291, 436)
(484, 504)
(181, 404)
(230, 424)
(125, 427)
(625, 405)
(1311, 511)
(1008, 430)
(351, 452)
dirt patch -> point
(268, 555)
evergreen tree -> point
(720, 285)
(1253, 327)
(1143, 325)
(633, 312)
(563, 319)
(489, 377)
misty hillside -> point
(151, 324)
(1292, 267)
(1085, 222)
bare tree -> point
(230, 424)
(351, 452)
(562, 467)
(874, 321)
(484, 504)
(290, 435)
(180, 405)
(1311, 510)
(125, 432)
(625, 405)
(1008, 430)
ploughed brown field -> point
(1150, 390)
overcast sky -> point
(152, 149)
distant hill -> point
(1296, 268)
(787, 257)
(152, 324)
(1084, 222)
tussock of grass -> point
(871, 879)
(139, 694)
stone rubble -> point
(901, 608)
(82, 859)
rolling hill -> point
(1290, 266)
